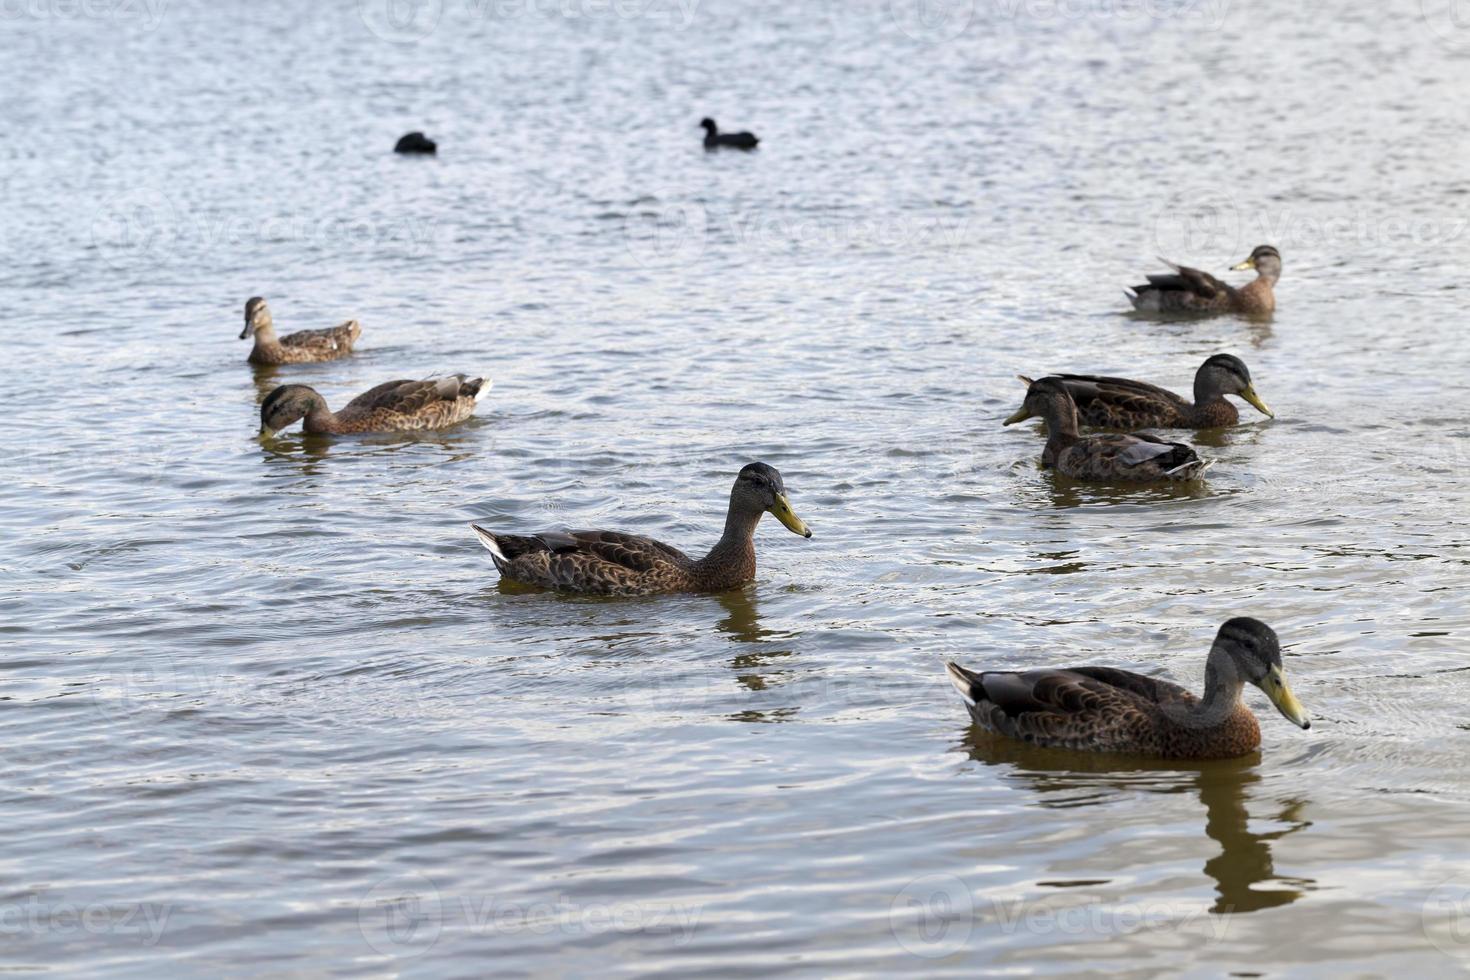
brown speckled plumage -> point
(614, 563)
(1189, 290)
(1119, 403)
(392, 406)
(1111, 457)
(302, 347)
(1104, 709)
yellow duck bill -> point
(1276, 688)
(782, 509)
(1021, 415)
(1255, 400)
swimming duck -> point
(1106, 456)
(1192, 291)
(1118, 403)
(295, 348)
(435, 403)
(416, 143)
(1104, 709)
(613, 563)
(713, 138)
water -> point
(268, 710)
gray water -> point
(268, 711)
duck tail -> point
(967, 682)
(491, 545)
(1025, 380)
(475, 387)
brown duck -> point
(392, 406)
(1106, 456)
(613, 563)
(295, 348)
(1118, 403)
(1104, 709)
(1192, 291)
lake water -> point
(268, 711)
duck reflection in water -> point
(742, 624)
(1065, 779)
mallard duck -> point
(416, 142)
(1192, 291)
(296, 348)
(1105, 456)
(613, 563)
(393, 406)
(1117, 403)
(1104, 709)
(713, 138)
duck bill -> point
(1247, 264)
(1021, 415)
(266, 432)
(1276, 688)
(249, 329)
(1250, 395)
(782, 509)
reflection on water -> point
(1066, 780)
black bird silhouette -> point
(713, 138)
(416, 143)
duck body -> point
(416, 142)
(1110, 457)
(302, 347)
(393, 406)
(1105, 709)
(618, 564)
(1187, 290)
(1121, 403)
(714, 139)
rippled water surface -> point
(268, 711)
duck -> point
(301, 347)
(1105, 709)
(1192, 291)
(393, 406)
(713, 138)
(1138, 457)
(1118, 403)
(416, 142)
(613, 563)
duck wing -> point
(338, 338)
(407, 397)
(1123, 402)
(1134, 458)
(1086, 708)
(601, 562)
